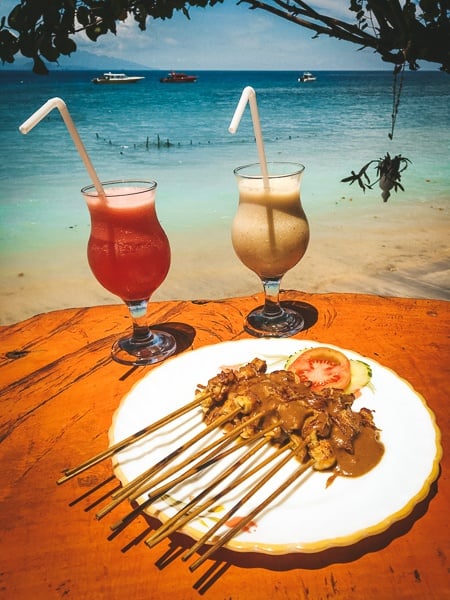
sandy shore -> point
(396, 249)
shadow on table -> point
(184, 334)
(308, 311)
(223, 559)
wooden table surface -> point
(59, 390)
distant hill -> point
(80, 61)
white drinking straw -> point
(249, 95)
(61, 106)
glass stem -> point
(272, 306)
(141, 330)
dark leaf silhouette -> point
(398, 30)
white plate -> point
(309, 517)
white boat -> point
(117, 78)
(306, 77)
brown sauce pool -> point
(367, 453)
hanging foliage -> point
(388, 174)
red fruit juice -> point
(128, 251)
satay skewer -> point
(260, 483)
(145, 475)
(136, 483)
(138, 435)
(217, 453)
(193, 509)
(216, 385)
(245, 520)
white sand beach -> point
(397, 249)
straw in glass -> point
(42, 112)
(249, 96)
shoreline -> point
(386, 249)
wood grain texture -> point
(58, 392)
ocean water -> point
(178, 135)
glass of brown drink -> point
(270, 234)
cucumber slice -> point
(361, 374)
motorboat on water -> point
(307, 77)
(174, 77)
(117, 78)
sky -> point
(230, 37)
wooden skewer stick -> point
(294, 450)
(140, 479)
(188, 512)
(134, 485)
(69, 473)
(163, 489)
(245, 520)
(241, 502)
(217, 446)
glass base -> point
(158, 346)
(285, 324)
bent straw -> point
(42, 112)
(249, 95)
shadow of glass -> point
(309, 312)
(184, 334)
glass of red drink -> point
(129, 254)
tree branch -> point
(400, 33)
(399, 36)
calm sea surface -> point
(178, 135)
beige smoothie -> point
(270, 232)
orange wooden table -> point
(59, 390)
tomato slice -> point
(322, 367)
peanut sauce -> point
(338, 439)
(367, 453)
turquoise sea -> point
(178, 135)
